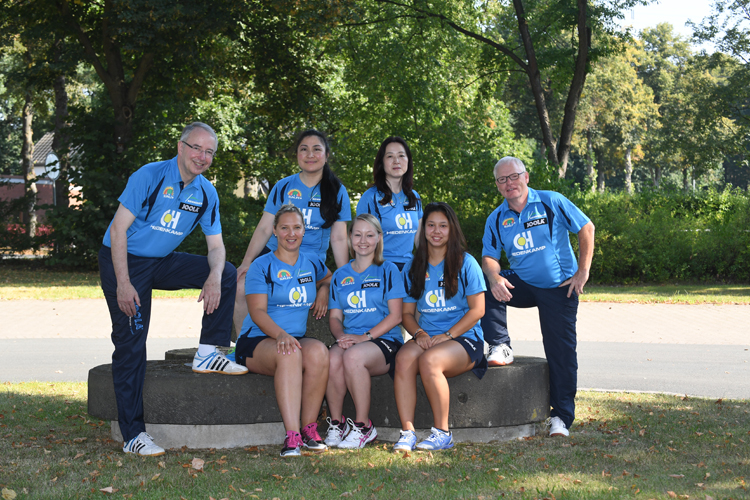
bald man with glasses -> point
(532, 228)
(161, 205)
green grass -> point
(623, 445)
(21, 282)
(669, 294)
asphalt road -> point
(694, 350)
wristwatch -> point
(449, 334)
(369, 336)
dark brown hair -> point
(454, 254)
(407, 181)
(329, 183)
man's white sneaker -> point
(143, 445)
(499, 355)
(557, 427)
(216, 362)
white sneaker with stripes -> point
(216, 362)
(143, 445)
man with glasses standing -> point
(532, 228)
(162, 203)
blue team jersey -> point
(536, 241)
(438, 314)
(399, 223)
(292, 190)
(363, 298)
(165, 210)
(291, 291)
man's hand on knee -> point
(211, 294)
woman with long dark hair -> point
(392, 200)
(365, 310)
(324, 203)
(446, 287)
(281, 286)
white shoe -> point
(336, 432)
(143, 445)
(499, 355)
(357, 438)
(216, 362)
(557, 427)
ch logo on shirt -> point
(523, 240)
(169, 219)
(435, 298)
(298, 295)
(357, 299)
(403, 221)
(308, 215)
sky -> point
(675, 12)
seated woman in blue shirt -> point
(445, 286)
(281, 287)
(365, 311)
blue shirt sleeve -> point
(136, 191)
(492, 244)
(366, 201)
(573, 219)
(472, 276)
(256, 279)
(211, 220)
(345, 214)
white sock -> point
(205, 349)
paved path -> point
(697, 350)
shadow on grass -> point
(622, 446)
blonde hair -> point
(374, 222)
(285, 209)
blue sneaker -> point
(406, 442)
(439, 440)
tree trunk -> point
(576, 87)
(600, 180)
(656, 176)
(61, 141)
(590, 173)
(685, 183)
(27, 163)
(629, 169)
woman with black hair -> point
(446, 287)
(393, 201)
(325, 205)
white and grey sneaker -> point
(499, 355)
(216, 362)
(337, 430)
(143, 445)
(557, 427)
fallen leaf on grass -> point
(155, 477)
(78, 455)
(378, 488)
(8, 494)
(277, 476)
(577, 481)
(672, 494)
(541, 459)
(109, 490)
(197, 464)
(161, 465)
(346, 494)
(406, 455)
(333, 486)
(370, 465)
(677, 476)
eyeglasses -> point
(208, 152)
(511, 177)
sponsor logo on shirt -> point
(426, 276)
(523, 241)
(284, 275)
(189, 208)
(169, 220)
(306, 279)
(313, 204)
(347, 281)
(357, 300)
(535, 222)
(308, 218)
(298, 295)
(371, 284)
(412, 209)
(535, 214)
(435, 298)
(403, 221)
(509, 222)
(168, 192)
(294, 193)
(193, 201)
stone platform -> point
(183, 408)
